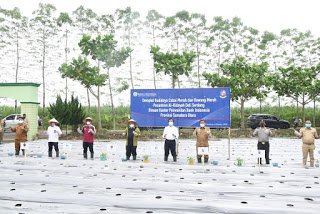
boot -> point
(175, 159)
(128, 157)
(57, 153)
(91, 155)
(85, 155)
(134, 157)
(165, 158)
(206, 160)
(50, 154)
(23, 152)
(260, 161)
(17, 152)
(199, 160)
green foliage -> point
(67, 113)
(173, 64)
(64, 18)
(59, 110)
(79, 69)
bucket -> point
(215, 163)
(275, 164)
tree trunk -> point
(130, 62)
(111, 99)
(88, 96)
(99, 110)
(66, 59)
(198, 60)
(303, 105)
(314, 112)
(17, 67)
(154, 70)
(173, 81)
(43, 74)
(242, 113)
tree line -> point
(193, 50)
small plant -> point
(239, 162)
(103, 156)
(146, 158)
(190, 160)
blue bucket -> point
(215, 163)
(275, 164)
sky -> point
(271, 15)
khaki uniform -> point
(202, 135)
(21, 131)
(308, 137)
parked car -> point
(270, 120)
(12, 120)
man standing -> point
(202, 133)
(88, 131)
(132, 133)
(21, 131)
(53, 133)
(170, 134)
(263, 134)
(308, 136)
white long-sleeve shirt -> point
(170, 133)
(53, 133)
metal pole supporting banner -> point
(229, 139)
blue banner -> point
(153, 107)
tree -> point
(104, 49)
(154, 21)
(173, 64)
(130, 20)
(18, 26)
(79, 69)
(84, 20)
(44, 25)
(298, 83)
(67, 113)
(65, 20)
(244, 80)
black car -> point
(270, 120)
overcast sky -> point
(272, 15)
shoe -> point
(50, 154)
(128, 157)
(206, 160)
(57, 154)
(85, 155)
(17, 152)
(175, 159)
(134, 157)
(199, 160)
(91, 155)
(165, 158)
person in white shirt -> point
(53, 133)
(170, 134)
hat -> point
(53, 120)
(132, 120)
(20, 117)
(88, 118)
(308, 122)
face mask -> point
(20, 121)
(131, 125)
(88, 122)
(202, 125)
(308, 125)
(170, 123)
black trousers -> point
(264, 146)
(53, 144)
(131, 150)
(87, 145)
(170, 146)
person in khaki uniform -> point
(21, 131)
(308, 136)
(202, 133)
